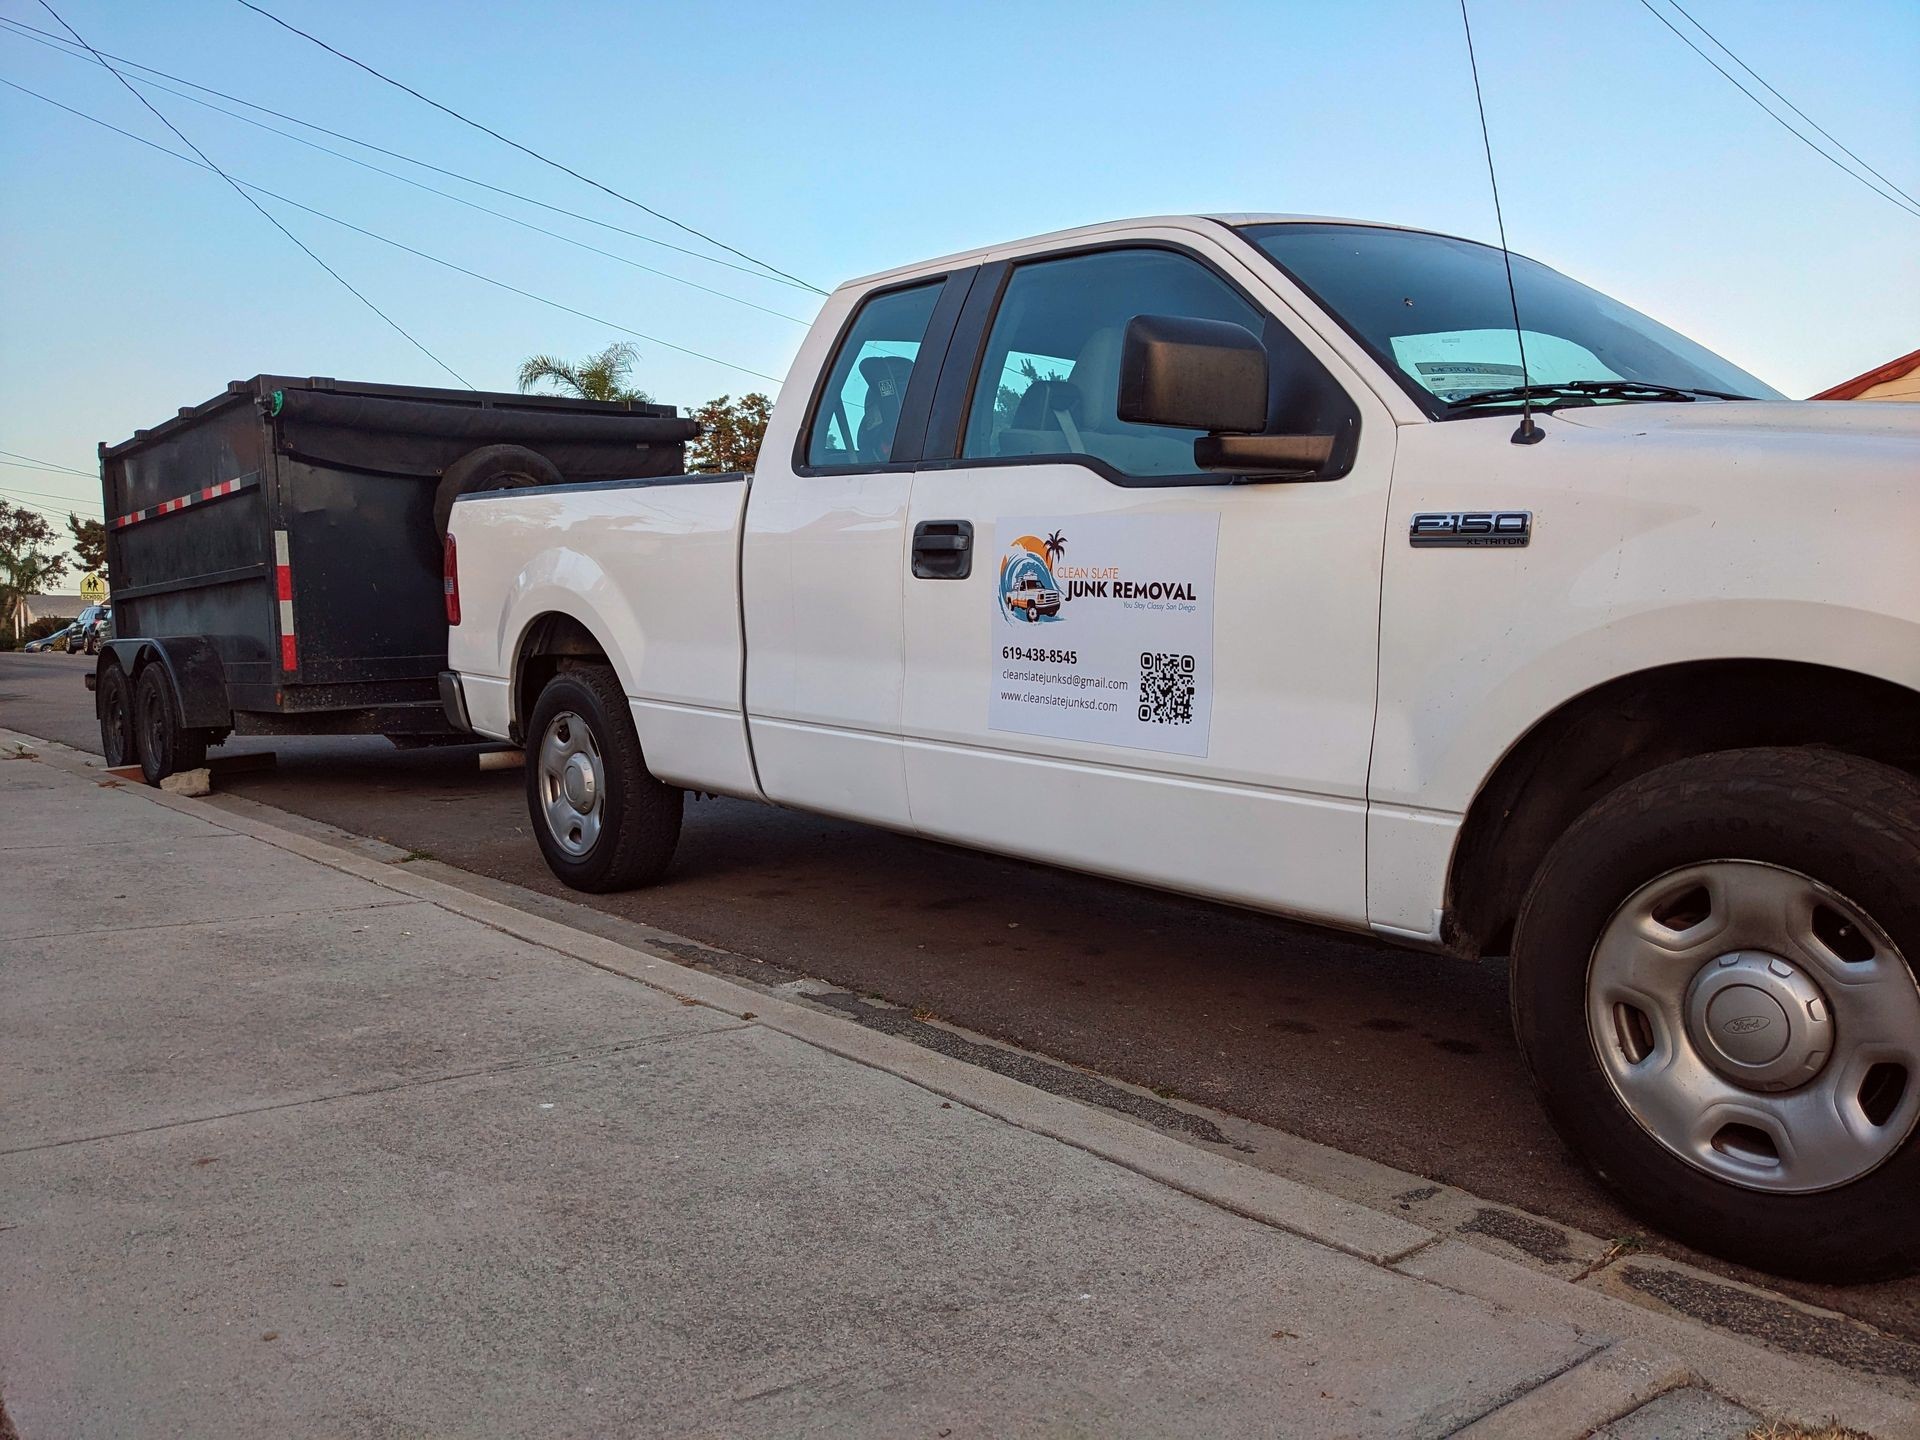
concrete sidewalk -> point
(298, 1143)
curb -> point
(1641, 1353)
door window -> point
(1050, 381)
(859, 409)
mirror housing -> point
(1195, 374)
(1212, 375)
(1296, 457)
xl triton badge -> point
(1472, 527)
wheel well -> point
(551, 643)
(1607, 736)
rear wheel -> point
(1714, 988)
(116, 717)
(164, 745)
(602, 820)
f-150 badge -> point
(1471, 527)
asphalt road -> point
(1400, 1056)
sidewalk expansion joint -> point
(551, 1060)
(215, 920)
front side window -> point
(859, 408)
(1050, 378)
(1436, 312)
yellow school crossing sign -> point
(93, 589)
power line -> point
(14, 497)
(265, 213)
(397, 244)
(445, 194)
(1790, 105)
(52, 41)
(33, 464)
(44, 495)
(523, 149)
(1777, 118)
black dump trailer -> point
(275, 555)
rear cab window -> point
(858, 410)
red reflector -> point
(450, 581)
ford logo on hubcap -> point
(1746, 1024)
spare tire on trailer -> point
(491, 467)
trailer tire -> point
(602, 820)
(491, 467)
(165, 746)
(116, 716)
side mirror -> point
(1211, 375)
(1195, 374)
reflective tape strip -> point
(181, 502)
(283, 593)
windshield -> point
(1435, 311)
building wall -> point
(1901, 387)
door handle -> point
(943, 549)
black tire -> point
(1850, 824)
(491, 467)
(116, 716)
(164, 745)
(640, 818)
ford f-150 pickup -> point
(1566, 640)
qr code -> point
(1166, 688)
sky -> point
(835, 139)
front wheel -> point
(1714, 988)
(602, 820)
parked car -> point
(1619, 690)
(94, 624)
(60, 640)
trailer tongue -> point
(276, 553)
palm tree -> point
(1056, 547)
(598, 377)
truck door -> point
(1142, 670)
(823, 554)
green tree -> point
(731, 432)
(29, 563)
(89, 542)
(598, 377)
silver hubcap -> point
(572, 791)
(1758, 1025)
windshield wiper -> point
(1589, 390)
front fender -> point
(1435, 753)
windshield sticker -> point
(1455, 364)
(1102, 629)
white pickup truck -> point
(1628, 689)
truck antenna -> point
(1528, 433)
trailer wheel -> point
(165, 746)
(491, 467)
(603, 821)
(116, 716)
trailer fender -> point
(199, 678)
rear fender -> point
(619, 636)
